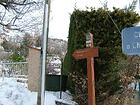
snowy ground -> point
(13, 93)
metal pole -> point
(41, 57)
(61, 79)
(45, 47)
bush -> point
(16, 58)
(107, 38)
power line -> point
(111, 18)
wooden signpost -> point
(90, 52)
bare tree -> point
(3, 55)
(131, 6)
(19, 16)
(57, 47)
(16, 8)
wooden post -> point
(89, 53)
(91, 81)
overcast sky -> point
(61, 10)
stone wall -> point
(34, 69)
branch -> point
(22, 3)
(12, 4)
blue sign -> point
(131, 40)
(88, 37)
(41, 55)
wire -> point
(111, 18)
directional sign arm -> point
(85, 53)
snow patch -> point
(13, 93)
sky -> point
(61, 10)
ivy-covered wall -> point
(106, 37)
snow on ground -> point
(13, 93)
(66, 97)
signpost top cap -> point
(89, 36)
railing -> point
(14, 68)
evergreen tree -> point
(106, 37)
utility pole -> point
(44, 46)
